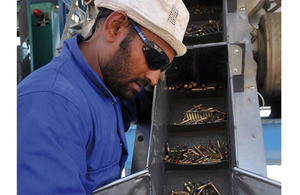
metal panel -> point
(141, 145)
(158, 135)
(248, 130)
(135, 184)
(224, 20)
(249, 146)
(238, 28)
(19, 65)
(232, 5)
(237, 53)
(25, 67)
(248, 183)
(23, 22)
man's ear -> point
(115, 24)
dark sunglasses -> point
(156, 58)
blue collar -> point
(72, 45)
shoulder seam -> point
(54, 80)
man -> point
(73, 112)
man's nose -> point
(153, 76)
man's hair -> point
(104, 13)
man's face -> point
(126, 71)
(118, 74)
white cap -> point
(168, 19)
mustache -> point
(141, 81)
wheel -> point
(269, 48)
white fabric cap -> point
(168, 19)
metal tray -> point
(202, 18)
(192, 135)
(181, 102)
(174, 180)
(204, 126)
(203, 64)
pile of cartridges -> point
(199, 115)
(196, 86)
(212, 153)
(197, 189)
(212, 26)
(202, 9)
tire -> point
(269, 47)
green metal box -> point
(45, 35)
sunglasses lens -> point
(156, 58)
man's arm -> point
(52, 137)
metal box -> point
(45, 38)
(220, 61)
(39, 36)
(208, 64)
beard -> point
(117, 71)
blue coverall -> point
(71, 129)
